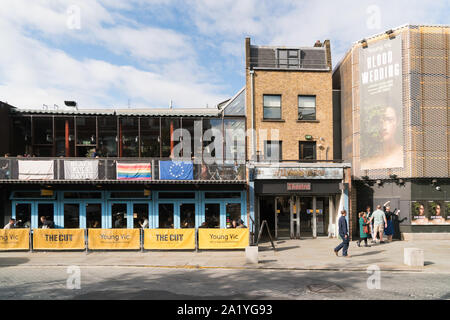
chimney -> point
(318, 43)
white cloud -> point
(34, 72)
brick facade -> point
(290, 84)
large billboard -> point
(381, 117)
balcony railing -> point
(106, 170)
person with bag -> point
(364, 229)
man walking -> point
(343, 233)
(379, 222)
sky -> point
(147, 53)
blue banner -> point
(176, 170)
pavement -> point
(307, 254)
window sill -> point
(273, 120)
(310, 121)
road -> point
(20, 282)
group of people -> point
(381, 222)
(46, 223)
(375, 224)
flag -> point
(81, 170)
(36, 170)
(176, 170)
(133, 171)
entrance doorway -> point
(280, 212)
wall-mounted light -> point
(379, 182)
(390, 33)
(363, 43)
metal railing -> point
(105, 169)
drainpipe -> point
(252, 104)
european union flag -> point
(176, 170)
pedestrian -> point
(379, 222)
(396, 225)
(363, 229)
(389, 230)
(343, 233)
(11, 224)
(371, 228)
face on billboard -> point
(381, 118)
(419, 213)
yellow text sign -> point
(223, 238)
(114, 239)
(167, 239)
(58, 239)
(14, 239)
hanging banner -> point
(223, 238)
(81, 170)
(58, 239)
(133, 171)
(14, 239)
(381, 106)
(114, 239)
(35, 170)
(166, 239)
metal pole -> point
(314, 218)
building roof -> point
(167, 112)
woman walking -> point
(364, 230)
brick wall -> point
(291, 84)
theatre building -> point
(394, 100)
(112, 168)
(297, 182)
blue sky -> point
(104, 53)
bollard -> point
(251, 254)
(414, 257)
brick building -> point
(298, 185)
(394, 100)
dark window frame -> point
(264, 107)
(280, 149)
(315, 106)
(301, 145)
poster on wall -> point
(381, 115)
(420, 213)
(437, 212)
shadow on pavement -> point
(11, 262)
(368, 253)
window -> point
(107, 136)
(129, 143)
(23, 215)
(307, 150)
(129, 195)
(93, 215)
(306, 107)
(140, 215)
(119, 215)
(82, 195)
(233, 211)
(71, 215)
(212, 215)
(288, 58)
(176, 195)
(272, 106)
(166, 211)
(187, 215)
(273, 151)
(150, 139)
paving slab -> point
(307, 254)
